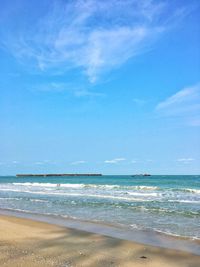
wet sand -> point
(24, 242)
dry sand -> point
(27, 243)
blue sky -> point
(100, 86)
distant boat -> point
(145, 174)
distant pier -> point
(59, 174)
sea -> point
(168, 204)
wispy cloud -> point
(185, 104)
(184, 96)
(134, 161)
(51, 87)
(78, 162)
(39, 163)
(43, 162)
(139, 102)
(87, 93)
(114, 161)
(15, 162)
(185, 160)
(94, 36)
(59, 87)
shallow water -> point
(167, 204)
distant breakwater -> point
(61, 174)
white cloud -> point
(110, 161)
(86, 93)
(183, 96)
(59, 87)
(15, 162)
(114, 161)
(120, 159)
(39, 163)
(52, 87)
(185, 160)
(134, 161)
(95, 36)
(44, 162)
(78, 162)
(184, 104)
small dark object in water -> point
(143, 257)
(145, 174)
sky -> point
(100, 86)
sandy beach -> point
(24, 242)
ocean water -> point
(166, 204)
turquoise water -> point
(168, 204)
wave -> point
(50, 185)
(143, 194)
(143, 187)
(184, 190)
(167, 211)
(103, 186)
(11, 190)
(26, 199)
(38, 200)
(165, 232)
(105, 191)
(127, 199)
(169, 233)
(97, 196)
(11, 198)
(191, 190)
(80, 195)
(107, 186)
(184, 201)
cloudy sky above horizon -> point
(100, 86)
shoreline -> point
(42, 244)
(149, 238)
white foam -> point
(103, 186)
(94, 195)
(143, 194)
(175, 234)
(11, 189)
(50, 185)
(142, 187)
(38, 200)
(10, 198)
(189, 201)
(183, 201)
(76, 194)
(196, 191)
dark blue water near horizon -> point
(163, 180)
(163, 203)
